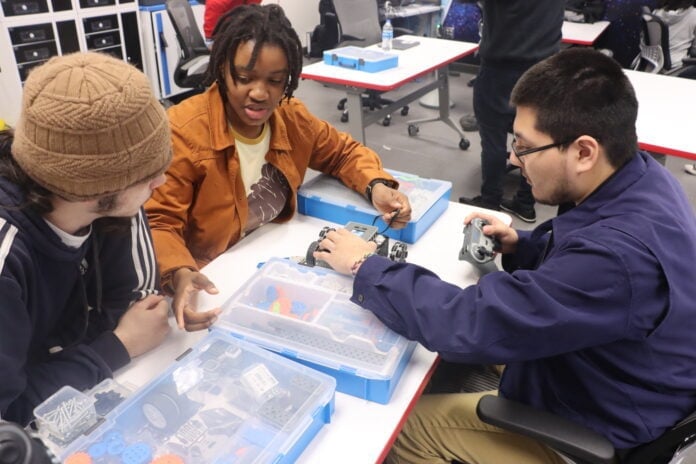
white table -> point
(430, 55)
(360, 431)
(666, 106)
(582, 33)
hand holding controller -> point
(478, 248)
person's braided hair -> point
(265, 25)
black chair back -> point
(189, 37)
(190, 70)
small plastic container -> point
(305, 314)
(107, 395)
(65, 415)
(327, 198)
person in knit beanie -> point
(90, 126)
(79, 292)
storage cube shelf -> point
(327, 198)
(33, 31)
(305, 314)
(225, 401)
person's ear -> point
(586, 151)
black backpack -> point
(325, 35)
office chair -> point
(358, 22)
(580, 444)
(194, 54)
(325, 35)
(654, 56)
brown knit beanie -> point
(90, 125)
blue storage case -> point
(224, 401)
(327, 198)
(305, 313)
(361, 59)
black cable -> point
(389, 224)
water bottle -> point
(387, 35)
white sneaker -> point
(690, 168)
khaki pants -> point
(444, 428)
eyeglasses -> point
(529, 151)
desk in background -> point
(665, 113)
(430, 55)
(360, 431)
(582, 33)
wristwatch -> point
(371, 185)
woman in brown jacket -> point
(241, 150)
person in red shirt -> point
(216, 8)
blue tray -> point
(326, 198)
(225, 401)
(361, 59)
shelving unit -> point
(32, 31)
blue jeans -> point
(494, 114)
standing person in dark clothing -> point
(516, 34)
(78, 276)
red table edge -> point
(584, 43)
(667, 151)
(407, 412)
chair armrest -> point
(402, 31)
(689, 61)
(576, 441)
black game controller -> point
(478, 248)
(398, 252)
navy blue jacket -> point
(53, 296)
(598, 328)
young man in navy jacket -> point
(593, 315)
(78, 276)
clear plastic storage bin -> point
(225, 401)
(305, 314)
